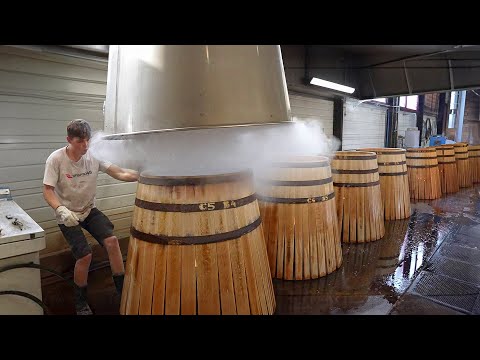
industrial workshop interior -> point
(239, 180)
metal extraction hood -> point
(158, 87)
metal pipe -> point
(460, 113)
(450, 72)
(406, 77)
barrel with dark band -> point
(392, 168)
(447, 167)
(358, 196)
(423, 175)
(197, 247)
(474, 159)
(297, 206)
(463, 165)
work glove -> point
(68, 217)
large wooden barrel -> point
(447, 167)
(197, 247)
(297, 205)
(474, 159)
(390, 247)
(392, 168)
(358, 196)
(463, 165)
(423, 175)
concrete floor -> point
(380, 277)
(428, 264)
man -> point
(69, 187)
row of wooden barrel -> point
(211, 244)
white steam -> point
(215, 150)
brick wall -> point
(471, 118)
(431, 104)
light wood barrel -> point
(197, 247)
(463, 165)
(392, 168)
(423, 174)
(358, 196)
(297, 205)
(447, 167)
(390, 247)
(474, 159)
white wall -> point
(39, 94)
(406, 120)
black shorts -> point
(96, 223)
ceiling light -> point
(331, 85)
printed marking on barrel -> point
(199, 207)
(310, 200)
(392, 163)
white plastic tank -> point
(412, 138)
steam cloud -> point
(215, 150)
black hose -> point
(37, 266)
(29, 296)
(32, 265)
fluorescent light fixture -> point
(331, 85)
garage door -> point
(363, 125)
(306, 107)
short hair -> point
(79, 128)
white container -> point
(412, 138)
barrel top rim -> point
(374, 149)
(460, 144)
(147, 175)
(427, 149)
(354, 153)
(302, 159)
(445, 146)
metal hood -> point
(157, 87)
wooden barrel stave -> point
(463, 165)
(185, 264)
(474, 159)
(447, 167)
(423, 174)
(392, 170)
(358, 196)
(297, 205)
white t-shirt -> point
(75, 182)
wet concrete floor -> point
(376, 278)
(428, 264)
